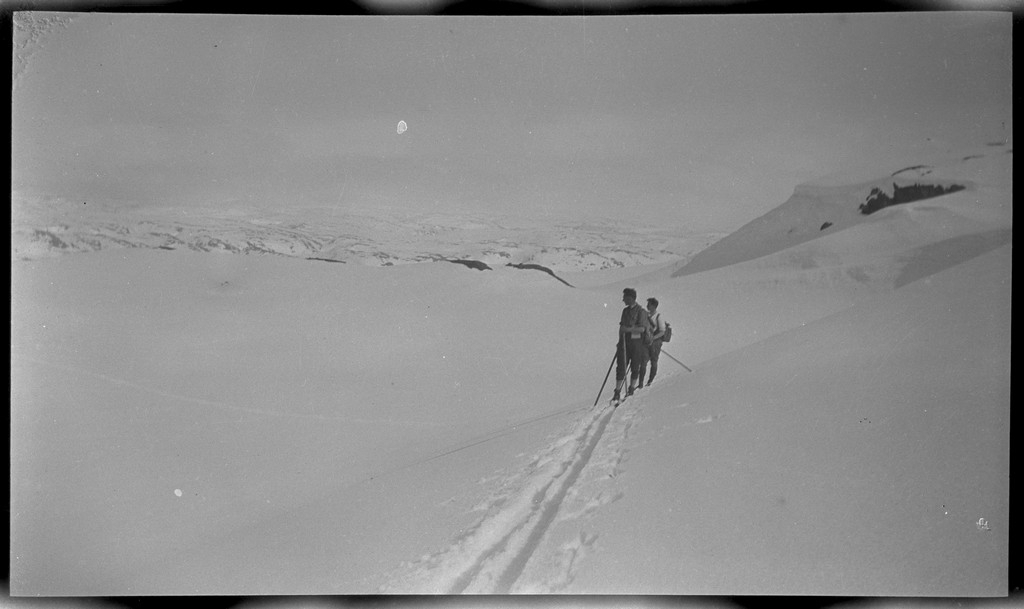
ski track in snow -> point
(531, 538)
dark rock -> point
(325, 259)
(537, 267)
(877, 199)
(473, 264)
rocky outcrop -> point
(538, 267)
(473, 264)
(878, 199)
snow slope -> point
(859, 452)
(828, 206)
(255, 383)
(784, 471)
(864, 453)
(803, 273)
(185, 422)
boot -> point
(650, 380)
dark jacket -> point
(633, 321)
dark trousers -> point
(629, 354)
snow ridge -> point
(492, 556)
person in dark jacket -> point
(631, 348)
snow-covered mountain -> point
(819, 208)
(189, 423)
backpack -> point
(667, 336)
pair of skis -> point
(612, 365)
(614, 402)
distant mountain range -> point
(47, 227)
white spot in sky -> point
(177, 492)
(402, 127)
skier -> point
(653, 349)
(630, 349)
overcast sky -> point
(707, 121)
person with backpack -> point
(630, 352)
(658, 327)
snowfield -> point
(47, 226)
(254, 422)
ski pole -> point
(606, 375)
(676, 361)
(625, 364)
